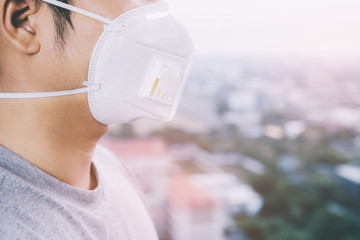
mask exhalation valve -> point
(163, 82)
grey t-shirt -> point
(35, 205)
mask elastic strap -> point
(79, 10)
(88, 88)
(51, 94)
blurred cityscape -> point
(260, 149)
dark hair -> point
(62, 19)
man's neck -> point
(56, 141)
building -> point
(193, 213)
(235, 196)
(185, 207)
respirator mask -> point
(138, 67)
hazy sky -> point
(308, 28)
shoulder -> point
(107, 161)
(103, 157)
(21, 204)
(12, 188)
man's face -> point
(42, 64)
(71, 60)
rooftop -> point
(183, 192)
(152, 147)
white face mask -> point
(138, 67)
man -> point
(55, 182)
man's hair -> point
(62, 19)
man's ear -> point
(16, 26)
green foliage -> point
(320, 153)
(326, 225)
(271, 228)
(300, 209)
(296, 203)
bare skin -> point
(58, 134)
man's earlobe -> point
(16, 26)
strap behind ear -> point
(78, 10)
